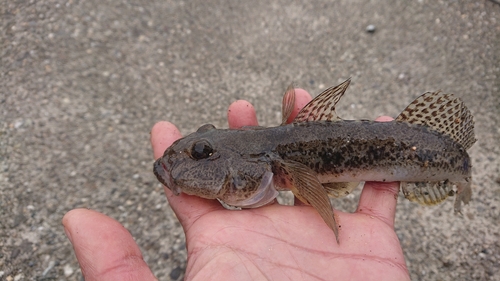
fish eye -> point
(201, 150)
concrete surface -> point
(82, 83)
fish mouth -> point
(163, 176)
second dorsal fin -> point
(443, 113)
(322, 107)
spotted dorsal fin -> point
(443, 113)
(322, 107)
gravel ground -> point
(82, 83)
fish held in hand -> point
(320, 155)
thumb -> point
(104, 248)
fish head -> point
(206, 165)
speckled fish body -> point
(321, 155)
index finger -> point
(163, 134)
(242, 113)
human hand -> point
(269, 243)
(278, 242)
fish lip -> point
(163, 176)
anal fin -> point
(427, 193)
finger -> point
(187, 208)
(104, 248)
(379, 199)
(384, 119)
(302, 97)
(163, 134)
(241, 113)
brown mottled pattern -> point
(365, 145)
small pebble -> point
(175, 273)
(370, 28)
(68, 270)
(18, 124)
(49, 267)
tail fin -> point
(443, 113)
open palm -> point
(291, 243)
(269, 243)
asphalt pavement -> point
(83, 82)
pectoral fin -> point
(339, 189)
(306, 187)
